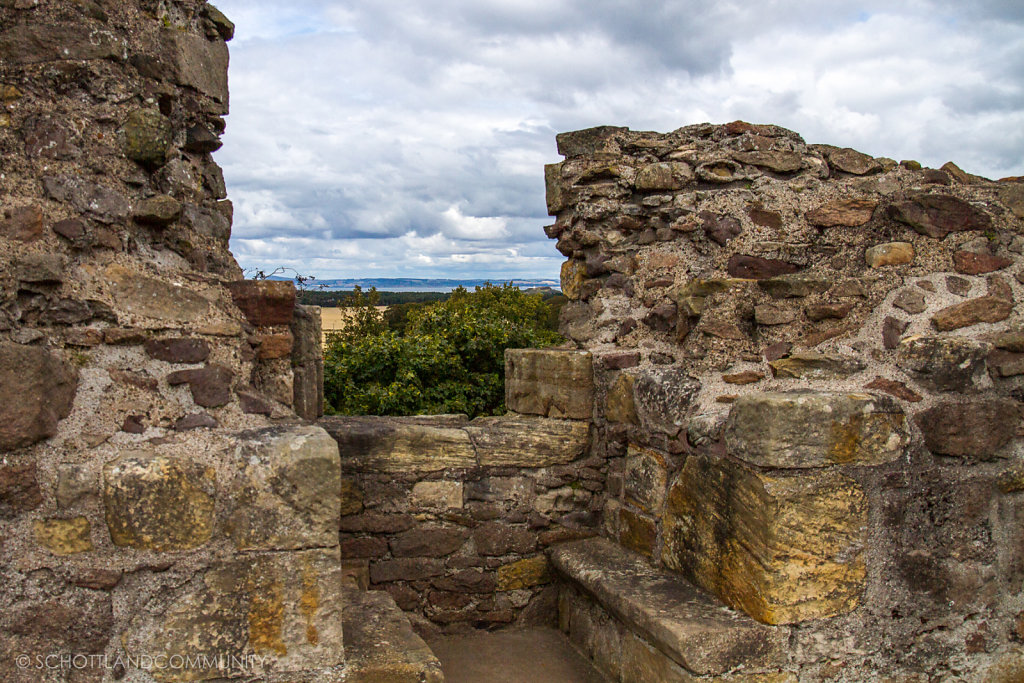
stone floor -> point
(537, 655)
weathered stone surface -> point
(782, 549)
(943, 363)
(159, 210)
(637, 531)
(619, 404)
(767, 314)
(645, 478)
(442, 495)
(23, 223)
(720, 228)
(937, 215)
(815, 429)
(63, 536)
(1005, 364)
(97, 200)
(428, 541)
(44, 269)
(892, 328)
(691, 296)
(814, 365)
(849, 213)
(273, 346)
(555, 191)
(828, 311)
(774, 160)
(282, 610)
(147, 137)
(527, 442)
(910, 300)
(37, 388)
(210, 385)
(893, 388)
(78, 621)
(984, 309)
(154, 502)
(178, 350)
(550, 382)
(288, 495)
(889, 254)
(199, 63)
(1012, 195)
(978, 263)
(525, 573)
(380, 645)
(147, 296)
(200, 140)
(392, 445)
(757, 268)
(405, 569)
(573, 273)
(498, 538)
(195, 421)
(264, 302)
(976, 428)
(35, 43)
(670, 175)
(665, 610)
(851, 161)
(795, 285)
(587, 141)
(662, 397)
(19, 489)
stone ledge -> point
(380, 644)
(690, 627)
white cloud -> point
(408, 138)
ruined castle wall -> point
(158, 494)
(807, 366)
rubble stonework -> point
(807, 389)
(159, 494)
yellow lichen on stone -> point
(530, 571)
(64, 536)
(266, 615)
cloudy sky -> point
(402, 138)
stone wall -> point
(453, 516)
(158, 493)
(807, 369)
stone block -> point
(554, 383)
(199, 63)
(619, 404)
(427, 540)
(525, 573)
(849, 213)
(178, 349)
(19, 489)
(782, 549)
(440, 495)
(142, 295)
(943, 363)
(645, 478)
(285, 608)
(37, 389)
(147, 138)
(405, 569)
(977, 428)
(588, 141)
(814, 365)
(288, 494)
(596, 634)
(64, 536)
(984, 309)
(637, 531)
(210, 386)
(528, 441)
(380, 645)
(663, 397)
(555, 191)
(382, 444)
(937, 215)
(264, 302)
(499, 538)
(889, 254)
(155, 502)
(680, 620)
(36, 43)
(307, 363)
(815, 429)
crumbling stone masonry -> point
(807, 371)
(159, 495)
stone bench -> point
(380, 645)
(640, 624)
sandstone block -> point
(889, 254)
(1005, 364)
(64, 536)
(849, 213)
(670, 175)
(937, 215)
(572, 275)
(441, 495)
(619, 404)
(154, 502)
(815, 429)
(393, 445)
(550, 382)
(24, 223)
(264, 302)
(427, 541)
(527, 442)
(178, 349)
(645, 478)
(19, 489)
(851, 161)
(284, 607)
(199, 63)
(210, 385)
(41, 269)
(663, 397)
(143, 295)
(892, 328)
(977, 428)
(782, 549)
(757, 268)
(499, 538)
(147, 139)
(943, 363)
(767, 314)
(778, 161)
(555, 190)
(288, 496)
(160, 210)
(795, 285)
(637, 531)
(975, 263)
(588, 141)
(37, 389)
(274, 346)
(35, 43)
(984, 309)
(814, 365)
(1012, 195)
(405, 569)
(525, 573)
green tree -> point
(450, 357)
